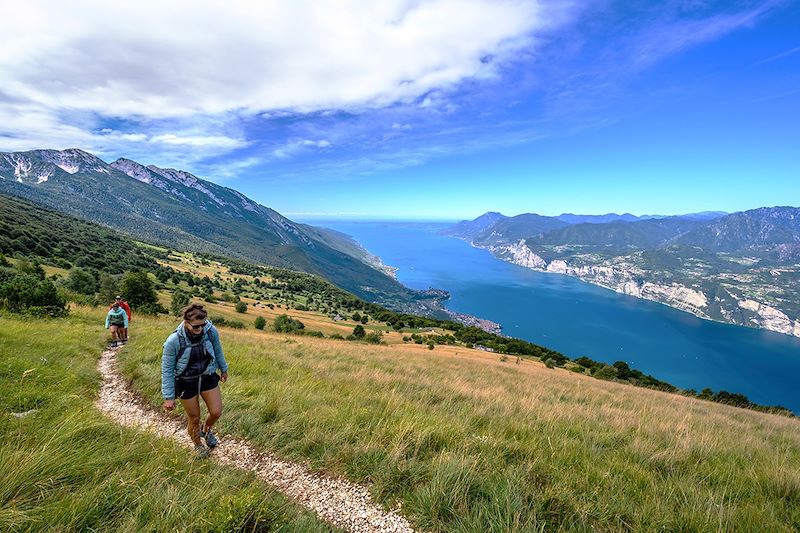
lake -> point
(578, 318)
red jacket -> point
(123, 304)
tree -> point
(359, 332)
(3, 261)
(25, 293)
(138, 290)
(179, 300)
(356, 317)
(364, 319)
(241, 307)
(286, 324)
(81, 281)
(109, 288)
(260, 322)
(34, 269)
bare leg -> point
(114, 332)
(192, 408)
(124, 333)
(213, 399)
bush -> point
(606, 372)
(152, 309)
(374, 337)
(81, 281)
(137, 288)
(217, 320)
(208, 297)
(109, 288)
(313, 333)
(359, 332)
(240, 307)
(430, 346)
(26, 293)
(179, 300)
(235, 324)
(260, 322)
(286, 324)
(550, 363)
(336, 336)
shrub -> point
(81, 281)
(550, 363)
(26, 293)
(359, 332)
(336, 336)
(503, 358)
(313, 333)
(241, 307)
(430, 346)
(218, 320)
(208, 297)
(109, 288)
(152, 309)
(286, 324)
(235, 324)
(137, 288)
(260, 322)
(179, 300)
(374, 337)
(606, 372)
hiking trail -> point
(337, 501)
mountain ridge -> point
(176, 208)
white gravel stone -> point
(335, 500)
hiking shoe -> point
(113, 344)
(201, 451)
(211, 439)
(124, 341)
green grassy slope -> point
(470, 443)
(67, 468)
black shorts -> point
(186, 389)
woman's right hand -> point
(169, 405)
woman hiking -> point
(192, 355)
(116, 320)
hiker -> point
(117, 320)
(123, 304)
(192, 355)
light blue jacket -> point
(119, 313)
(174, 363)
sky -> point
(440, 109)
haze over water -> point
(578, 318)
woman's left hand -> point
(224, 377)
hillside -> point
(742, 268)
(177, 209)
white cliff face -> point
(519, 254)
(675, 295)
(187, 180)
(771, 318)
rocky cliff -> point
(725, 307)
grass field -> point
(64, 467)
(467, 442)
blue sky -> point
(437, 109)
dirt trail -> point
(337, 501)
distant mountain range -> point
(177, 209)
(741, 267)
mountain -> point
(741, 268)
(468, 229)
(518, 227)
(643, 234)
(175, 208)
(757, 231)
(569, 218)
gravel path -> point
(335, 500)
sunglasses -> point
(195, 327)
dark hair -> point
(194, 312)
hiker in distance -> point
(116, 320)
(192, 355)
(123, 304)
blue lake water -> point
(577, 318)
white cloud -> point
(162, 59)
(294, 146)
